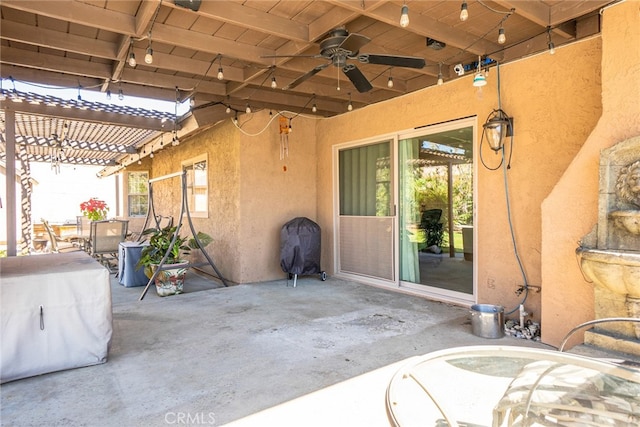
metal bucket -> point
(487, 321)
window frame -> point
(185, 164)
(127, 194)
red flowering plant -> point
(94, 209)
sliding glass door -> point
(435, 217)
(405, 210)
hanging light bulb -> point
(314, 108)
(220, 72)
(132, 60)
(274, 84)
(440, 79)
(552, 47)
(79, 97)
(501, 36)
(228, 110)
(151, 153)
(290, 128)
(108, 95)
(390, 82)
(148, 57)
(248, 109)
(404, 16)
(464, 13)
(350, 106)
(120, 95)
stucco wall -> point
(222, 146)
(272, 190)
(571, 210)
(555, 104)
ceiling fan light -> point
(464, 13)
(479, 79)
(404, 16)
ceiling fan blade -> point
(306, 76)
(395, 61)
(353, 42)
(357, 78)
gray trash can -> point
(487, 321)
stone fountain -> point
(609, 256)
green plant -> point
(160, 242)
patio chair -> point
(430, 223)
(58, 244)
(104, 241)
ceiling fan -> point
(339, 47)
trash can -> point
(487, 321)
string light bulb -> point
(120, 95)
(228, 110)
(502, 38)
(464, 13)
(314, 108)
(552, 47)
(404, 16)
(132, 60)
(148, 56)
(220, 71)
(350, 106)
(440, 79)
(274, 84)
(248, 109)
(108, 95)
(390, 82)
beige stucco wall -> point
(555, 105)
(272, 190)
(570, 211)
(252, 192)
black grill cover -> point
(300, 247)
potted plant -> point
(170, 279)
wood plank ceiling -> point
(87, 43)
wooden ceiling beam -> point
(251, 19)
(79, 13)
(57, 40)
(40, 61)
(425, 26)
(145, 15)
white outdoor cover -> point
(56, 314)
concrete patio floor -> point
(214, 355)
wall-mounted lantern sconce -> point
(497, 127)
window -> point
(197, 186)
(365, 180)
(137, 193)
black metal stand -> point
(184, 208)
